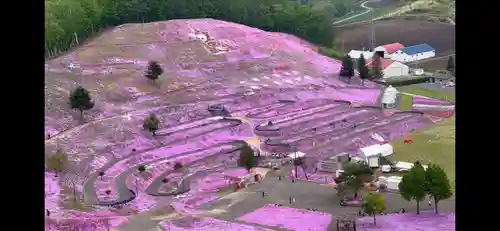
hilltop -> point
(203, 59)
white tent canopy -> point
(389, 96)
(297, 155)
(377, 149)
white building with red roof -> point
(388, 49)
(391, 68)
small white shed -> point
(405, 166)
(389, 97)
(393, 182)
(374, 152)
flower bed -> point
(84, 223)
(52, 193)
(210, 183)
(288, 218)
(426, 221)
(123, 165)
(190, 223)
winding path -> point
(367, 10)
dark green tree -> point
(355, 175)
(373, 204)
(377, 70)
(247, 158)
(57, 162)
(154, 71)
(347, 69)
(364, 73)
(80, 99)
(141, 168)
(437, 184)
(413, 185)
(450, 66)
(151, 123)
(178, 165)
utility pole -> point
(372, 35)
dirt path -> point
(367, 10)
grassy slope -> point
(425, 147)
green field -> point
(429, 93)
(425, 146)
(406, 102)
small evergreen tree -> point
(247, 158)
(80, 99)
(450, 66)
(347, 69)
(377, 70)
(178, 165)
(363, 69)
(437, 184)
(154, 71)
(151, 123)
(413, 185)
(373, 204)
(58, 162)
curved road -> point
(367, 10)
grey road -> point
(307, 195)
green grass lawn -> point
(406, 102)
(429, 93)
(425, 147)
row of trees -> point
(419, 183)
(373, 70)
(416, 184)
(68, 20)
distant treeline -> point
(66, 18)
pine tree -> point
(154, 71)
(362, 69)
(437, 184)
(347, 69)
(247, 158)
(80, 99)
(151, 124)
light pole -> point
(295, 162)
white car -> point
(450, 84)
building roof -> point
(393, 47)
(355, 54)
(385, 63)
(421, 48)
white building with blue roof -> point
(414, 53)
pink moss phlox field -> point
(52, 193)
(210, 183)
(289, 218)
(236, 172)
(425, 221)
(206, 224)
(84, 222)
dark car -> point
(218, 110)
